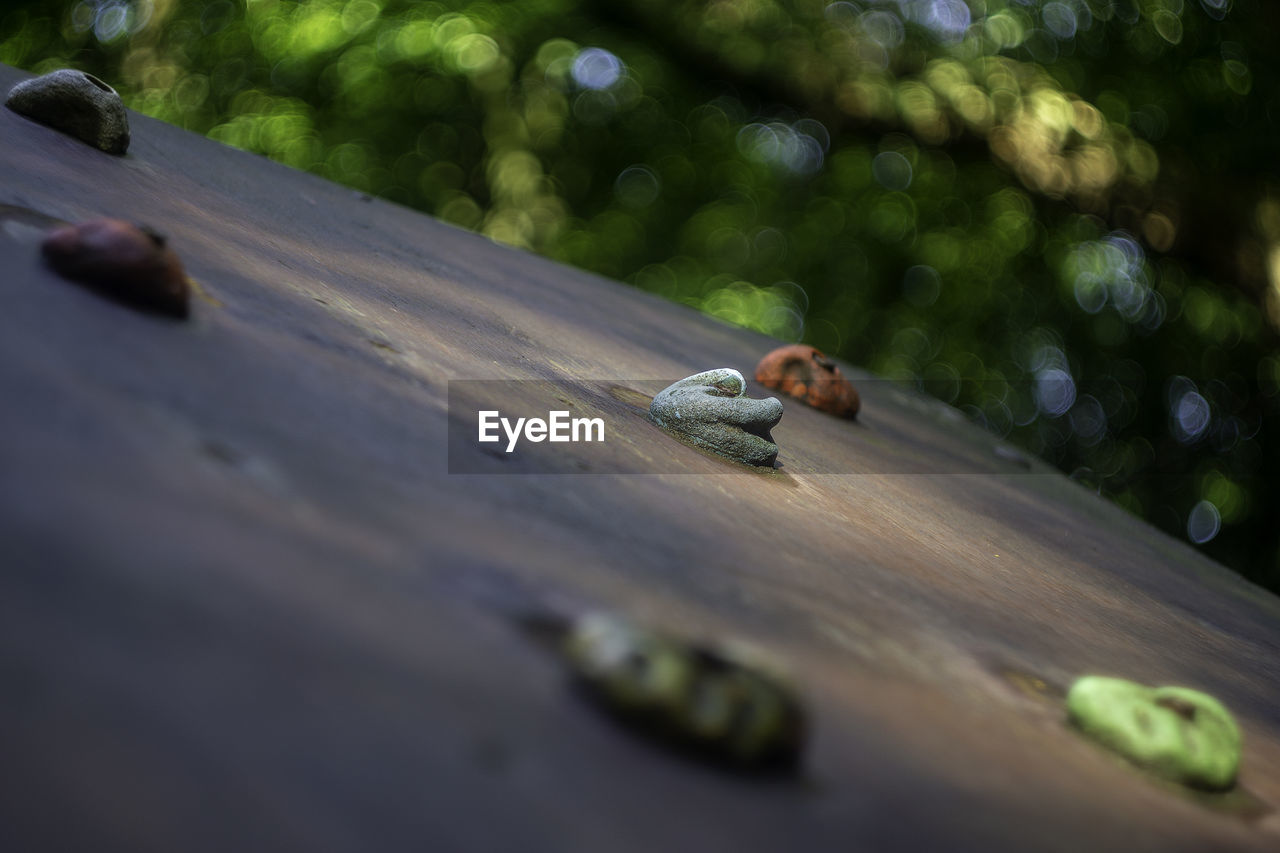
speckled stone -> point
(1178, 733)
(76, 103)
(711, 410)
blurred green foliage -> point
(1063, 217)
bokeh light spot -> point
(111, 21)
(884, 28)
(1217, 9)
(1088, 421)
(782, 145)
(637, 186)
(1059, 19)
(1203, 522)
(596, 68)
(946, 19)
(891, 170)
(1055, 391)
(1191, 417)
(921, 285)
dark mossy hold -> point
(127, 263)
(76, 103)
(711, 410)
(1178, 733)
(725, 704)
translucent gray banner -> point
(603, 427)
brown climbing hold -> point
(807, 374)
(122, 261)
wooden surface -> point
(244, 604)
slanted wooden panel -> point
(244, 604)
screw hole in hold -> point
(95, 81)
(1180, 707)
(1030, 684)
(157, 238)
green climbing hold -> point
(1178, 733)
(724, 702)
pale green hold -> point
(1178, 733)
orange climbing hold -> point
(807, 374)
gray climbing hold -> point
(710, 410)
(77, 104)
